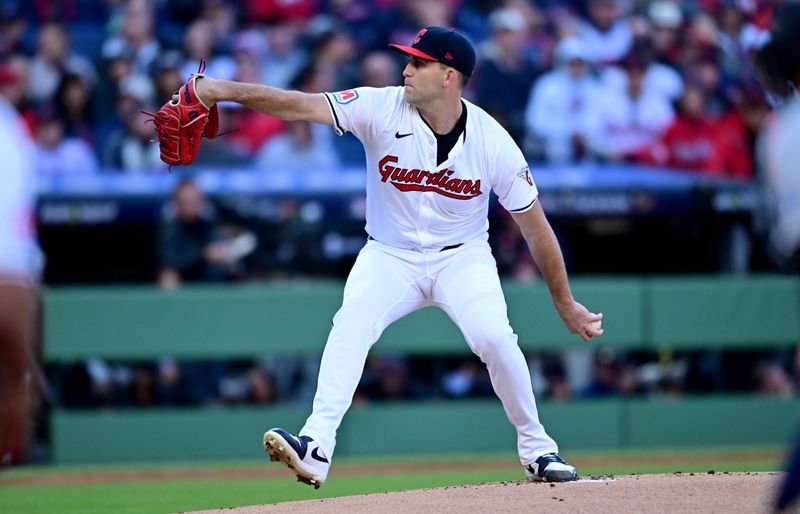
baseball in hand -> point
(597, 325)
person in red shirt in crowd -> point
(695, 141)
(738, 129)
(736, 151)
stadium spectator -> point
(233, 388)
(773, 380)
(117, 65)
(57, 154)
(222, 15)
(143, 386)
(511, 251)
(297, 148)
(606, 34)
(666, 21)
(705, 73)
(166, 74)
(260, 386)
(130, 147)
(558, 388)
(73, 101)
(564, 106)
(698, 45)
(389, 378)
(540, 41)
(402, 19)
(738, 128)
(632, 118)
(283, 58)
(104, 389)
(166, 384)
(378, 69)
(691, 142)
(659, 79)
(199, 42)
(251, 129)
(242, 383)
(733, 41)
(334, 48)
(469, 379)
(52, 60)
(190, 246)
(314, 78)
(136, 32)
(504, 74)
(360, 18)
(13, 88)
(612, 375)
(709, 42)
(13, 27)
(304, 145)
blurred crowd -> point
(574, 374)
(657, 83)
(661, 82)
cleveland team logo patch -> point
(441, 182)
(525, 174)
(346, 96)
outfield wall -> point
(293, 319)
(426, 427)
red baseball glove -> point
(180, 124)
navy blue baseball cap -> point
(441, 45)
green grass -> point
(185, 495)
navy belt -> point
(451, 247)
(448, 247)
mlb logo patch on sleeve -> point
(346, 96)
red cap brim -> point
(410, 50)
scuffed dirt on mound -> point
(649, 494)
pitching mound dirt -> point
(676, 493)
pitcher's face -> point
(423, 80)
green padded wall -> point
(193, 322)
(294, 318)
(724, 312)
(416, 428)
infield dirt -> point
(650, 494)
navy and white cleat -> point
(299, 453)
(550, 467)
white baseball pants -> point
(387, 283)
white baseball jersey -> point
(412, 202)
(19, 253)
(415, 210)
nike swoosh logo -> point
(398, 135)
(316, 455)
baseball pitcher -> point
(432, 159)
